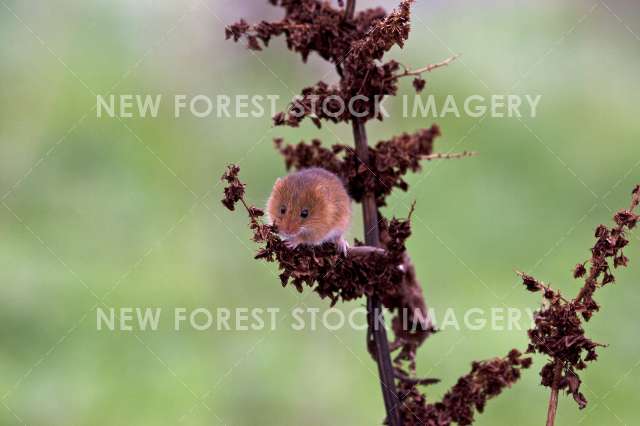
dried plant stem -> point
(553, 398)
(377, 335)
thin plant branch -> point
(449, 156)
(417, 72)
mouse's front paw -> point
(291, 244)
(343, 246)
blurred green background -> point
(92, 203)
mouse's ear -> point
(278, 184)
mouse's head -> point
(295, 206)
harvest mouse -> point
(310, 207)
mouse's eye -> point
(304, 213)
(283, 209)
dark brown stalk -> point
(377, 335)
(553, 398)
(350, 9)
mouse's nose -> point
(286, 232)
(283, 231)
(284, 235)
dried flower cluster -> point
(389, 161)
(355, 46)
(558, 330)
(486, 380)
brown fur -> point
(322, 194)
